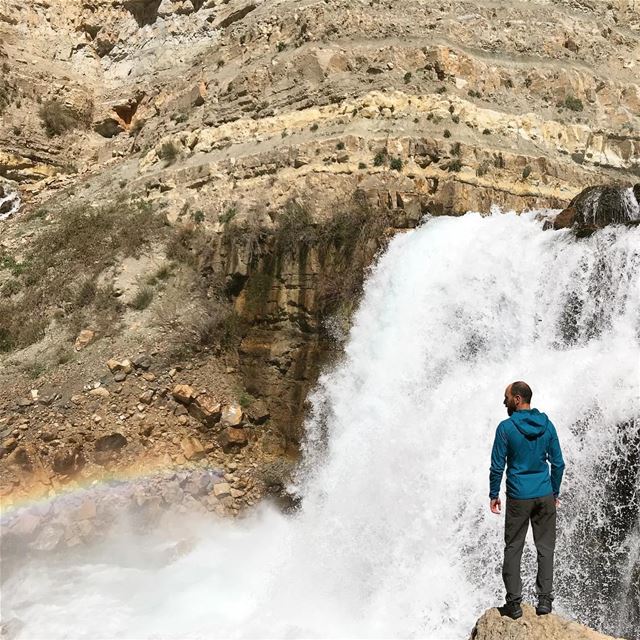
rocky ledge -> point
(493, 626)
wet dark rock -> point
(106, 447)
(68, 460)
(112, 442)
(597, 207)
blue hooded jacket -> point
(527, 441)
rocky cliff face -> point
(283, 142)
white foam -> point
(395, 538)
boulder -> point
(20, 459)
(109, 125)
(221, 490)
(100, 392)
(198, 94)
(147, 396)
(8, 445)
(236, 11)
(124, 366)
(192, 448)
(142, 362)
(49, 538)
(205, 409)
(232, 439)
(68, 460)
(258, 412)
(84, 338)
(493, 626)
(232, 415)
(597, 207)
(183, 393)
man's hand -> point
(495, 505)
(557, 502)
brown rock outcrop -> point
(492, 626)
(597, 207)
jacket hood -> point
(530, 423)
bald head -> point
(521, 389)
(517, 396)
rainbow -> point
(40, 493)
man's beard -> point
(510, 411)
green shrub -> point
(486, 132)
(456, 149)
(57, 118)
(362, 165)
(245, 400)
(455, 118)
(340, 146)
(314, 126)
(198, 216)
(79, 245)
(7, 93)
(446, 133)
(142, 299)
(526, 172)
(380, 158)
(407, 77)
(86, 293)
(396, 164)
(11, 264)
(168, 152)
(441, 90)
(573, 103)
(281, 46)
(295, 229)
(228, 215)
(483, 168)
(10, 288)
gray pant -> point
(542, 513)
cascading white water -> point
(9, 200)
(394, 537)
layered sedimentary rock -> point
(228, 114)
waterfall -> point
(394, 537)
(9, 200)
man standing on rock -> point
(527, 442)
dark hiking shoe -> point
(512, 610)
(544, 606)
